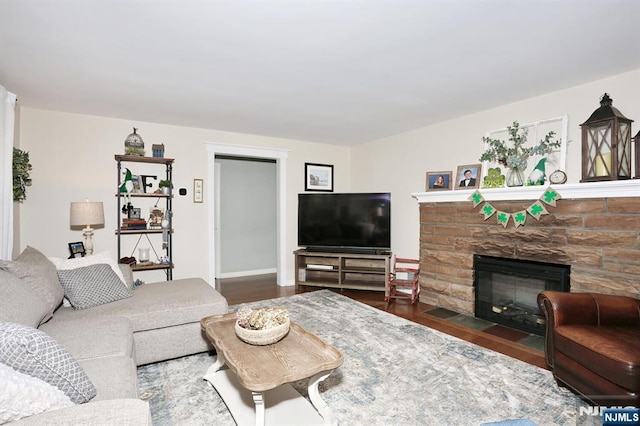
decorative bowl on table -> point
(262, 326)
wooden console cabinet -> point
(342, 270)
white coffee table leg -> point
(258, 401)
(316, 399)
(215, 367)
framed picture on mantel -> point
(318, 177)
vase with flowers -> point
(514, 154)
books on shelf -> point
(133, 224)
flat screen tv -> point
(345, 222)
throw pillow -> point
(33, 352)
(22, 395)
(92, 286)
(20, 303)
(81, 262)
(38, 272)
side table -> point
(255, 386)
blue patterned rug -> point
(395, 372)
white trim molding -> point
(280, 155)
(606, 189)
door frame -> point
(280, 157)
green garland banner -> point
(536, 210)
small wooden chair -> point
(403, 280)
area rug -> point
(395, 372)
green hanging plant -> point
(21, 171)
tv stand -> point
(359, 271)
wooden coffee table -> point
(255, 385)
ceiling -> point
(330, 71)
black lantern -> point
(606, 144)
(636, 145)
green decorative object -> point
(536, 209)
(488, 210)
(513, 154)
(494, 178)
(550, 197)
(520, 218)
(21, 174)
(476, 198)
(503, 218)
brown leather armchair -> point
(592, 345)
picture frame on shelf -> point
(134, 213)
(468, 176)
(437, 181)
(198, 190)
(318, 177)
(76, 249)
(156, 213)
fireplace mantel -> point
(607, 189)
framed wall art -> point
(468, 176)
(318, 177)
(438, 181)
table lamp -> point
(86, 214)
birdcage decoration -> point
(133, 144)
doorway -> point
(238, 151)
(245, 216)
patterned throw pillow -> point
(92, 286)
(33, 352)
(22, 395)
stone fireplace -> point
(594, 228)
(506, 290)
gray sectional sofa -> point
(100, 339)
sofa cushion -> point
(158, 305)
(22, 395)
(38, 272)
(111, 412)
(33, 352)
(20, 303)
(599, 350)
(92, 285)
(114, 377)
(93, 337)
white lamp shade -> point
(87, 213)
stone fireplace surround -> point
(595, 228)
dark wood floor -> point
(251, 289)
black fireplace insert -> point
(507, 290)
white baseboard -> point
(247, 273)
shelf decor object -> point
(606, 144)
(133, 144)
(87, 214)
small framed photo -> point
(198, 190)
(438, 180)
(468, 176)
(134, 213)
(76, 249)
(318, 177)
(136, 181)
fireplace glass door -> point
(507, 290)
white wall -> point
(73, 158)
(399, 164)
